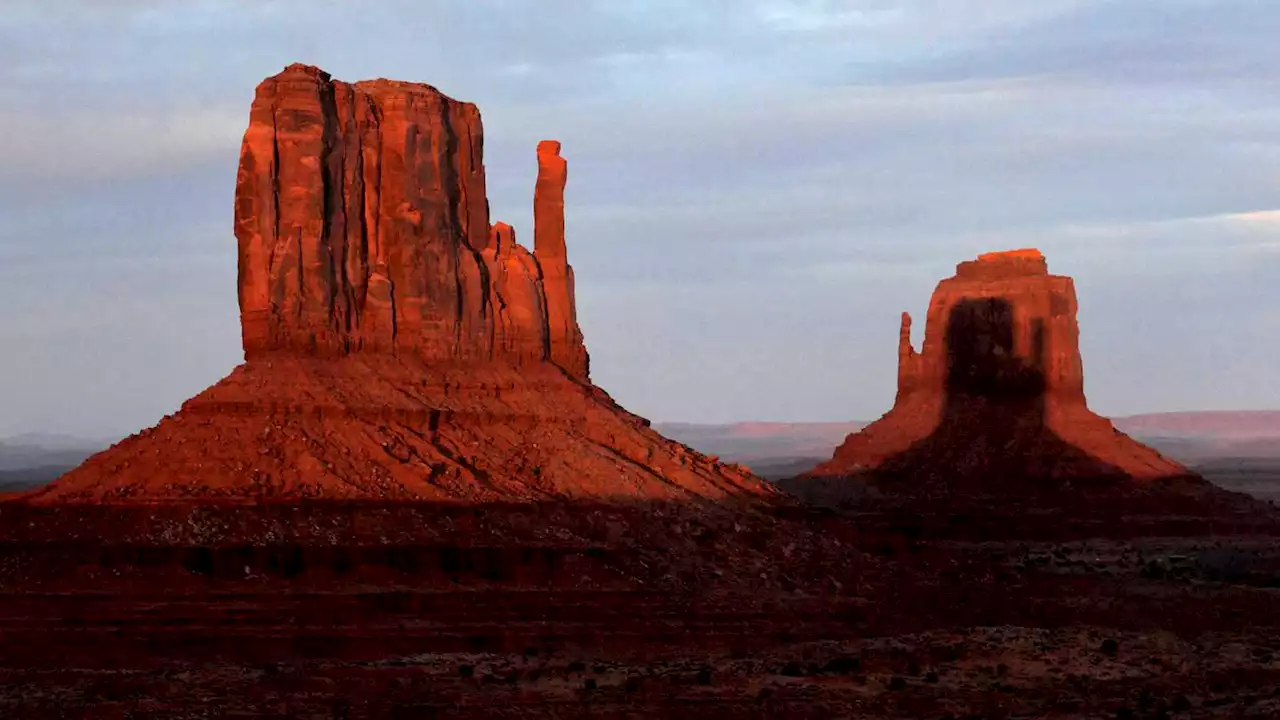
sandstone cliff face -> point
(363, 226)
(1009, 292)
(397, 345)
(519, 301)
(996, 393)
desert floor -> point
(657, 611)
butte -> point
(993, 405)
(397, 345)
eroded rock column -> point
(565, 345)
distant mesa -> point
(398, 345)
(994, 401)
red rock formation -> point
(519, 303)
(396, 344)
(363, 226)
(566, 347)
(378, 426)
(996, 394)
(360, 211)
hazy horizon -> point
(1267, 429)
(756, 190)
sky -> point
(757, 188)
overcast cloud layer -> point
(757, 188)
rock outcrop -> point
(995, 398)
(397, 345)
(363, 226)
(519, 300)
(566, 347)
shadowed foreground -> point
(665, 610)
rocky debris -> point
(995, 397)
(397, 345)
(372, 426)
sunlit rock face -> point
(397, 344)
(363, 226)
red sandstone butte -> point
(363, 225)
(996, 394)
(397, 345)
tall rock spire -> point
(566, 348)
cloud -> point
(756, 189)
(1135, 41)
(94, 147)
(826, 15)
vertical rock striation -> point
(363, 226)
(520, 306)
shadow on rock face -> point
(982, 362)
(991, 413)
(992, 435)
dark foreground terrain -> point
(353, 611)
